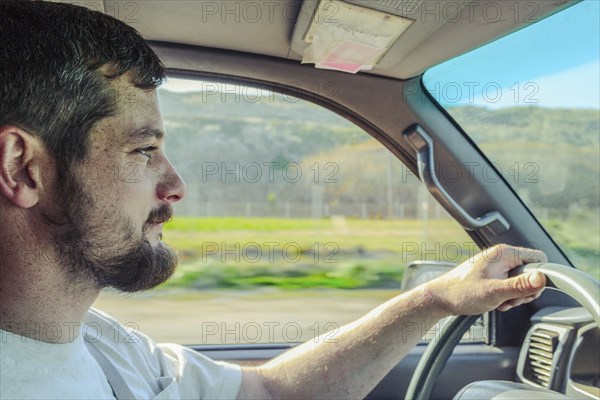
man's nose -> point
(171, 188)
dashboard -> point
(561, 352)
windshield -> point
(531, 103)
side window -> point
(296, 221)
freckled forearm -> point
(357, 357)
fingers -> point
(519, 290)
(527, 256)
(500, 259)
(523, 289)
(513, 256)
(489, 274)
(536, 280)
(525, 285)
(507, 305)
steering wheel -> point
(578, 285)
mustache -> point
(161, 215)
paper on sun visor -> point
(350, 38)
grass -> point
(190, 234)
(191, 224)
(248, 253)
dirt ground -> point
(235, 317)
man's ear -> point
(20, 166)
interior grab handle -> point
(421, 142)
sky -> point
(555, 63)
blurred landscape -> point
(301, 253)
(278, 157)
(295, 215)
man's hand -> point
(480, 284)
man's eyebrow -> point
(145, 133)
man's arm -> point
(351, 363)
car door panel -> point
(470, 362)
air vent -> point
(542, 344)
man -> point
(84, 190)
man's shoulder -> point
(123, 343)
(100, 327)
(99, 316)
(125, 346)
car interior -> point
(368, 61)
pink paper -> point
(350, 56)
(352, 68)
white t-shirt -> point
(31, 369)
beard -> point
(110, 253)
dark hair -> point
(51, 81)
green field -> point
(307, 253)
(286, 253)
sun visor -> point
(346, 37)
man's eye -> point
(146, 151)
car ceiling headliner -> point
(441, 29)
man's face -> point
(116, 200)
